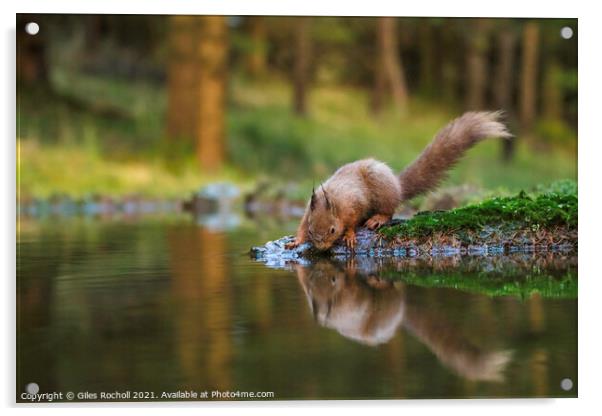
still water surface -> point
(163, 304)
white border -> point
(590, 96)
(456, 8)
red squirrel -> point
(368, 192)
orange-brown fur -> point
(368, 192)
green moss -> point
(556, 206)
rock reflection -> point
(362, 306)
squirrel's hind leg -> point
(377, 221)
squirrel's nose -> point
(322, 246)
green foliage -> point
(556, 132)
(553, 208)
(562, 187)
(269, 140)
(568, 80)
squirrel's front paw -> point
(349, 239)
(293, 244)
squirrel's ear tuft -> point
(328, 204)
(312, 203)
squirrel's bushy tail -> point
(448, 146)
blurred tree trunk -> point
(392, 65)
(256, 58)
(528, 81)
(32, 67)
(379, 88)
(94, 31)
(389, 69)
(182, 78)
(451, 62)
(301, 66)
(503, 81)
(212, 66)
(476, 64)
(427, 57)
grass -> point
(74, 152)
(45, 170)
(555, 206)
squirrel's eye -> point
(332, 230)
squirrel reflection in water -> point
(369, 310)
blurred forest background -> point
(160, 105)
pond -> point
(164, 304)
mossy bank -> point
(545, 220)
